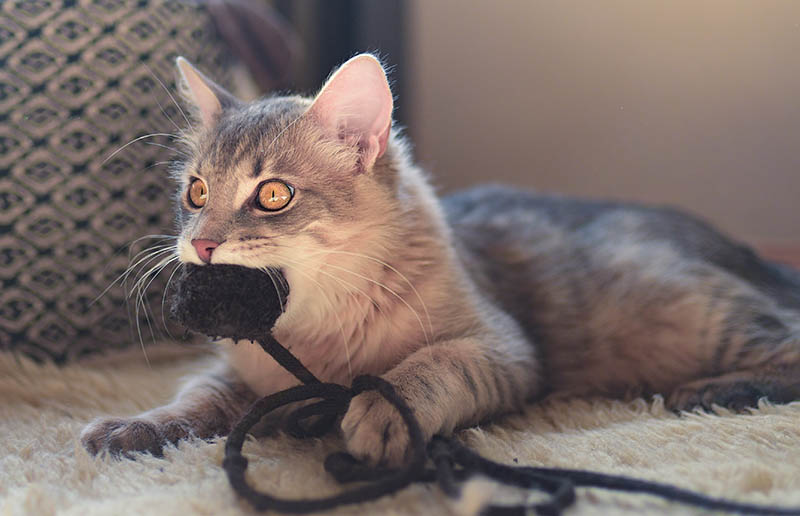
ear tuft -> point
(356, 105)
(207, 97)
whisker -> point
(143, 281)
(277, 292)
(173, 149)
(280, 133)
(154, 275)
(157, 163)
(139, 331)
(140, 299)
(333, 310)
(395, 294)
(153, 252)
(149, 254)
(130, 245)
(164, 111)
(164, 298)
(137, 286)
(283, 281)
(188, 123)
(140, 138)
(350, 285)
(153, 236)
(157, 247)
(147, 320)
(158, 102)
(136, 291)
(401, 275)
(381, 262)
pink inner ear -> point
(357, 103)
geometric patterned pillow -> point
(77, 82)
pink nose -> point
(205, 248)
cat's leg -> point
(209, 405)
(449, 384)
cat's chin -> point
(228, 301)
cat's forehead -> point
(250, 135)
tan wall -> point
(689, 102)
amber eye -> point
(198, 193)
(274, 195)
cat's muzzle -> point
(228, 301)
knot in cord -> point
(452, 462)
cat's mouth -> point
(229, 301)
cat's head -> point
(282, 181)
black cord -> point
(235, 464)
(579, 478)
(453, 462)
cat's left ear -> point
(208, 97)
(356, 105)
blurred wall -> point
(694, 103)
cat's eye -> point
(198, 193)
(274, 195)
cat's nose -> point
(205, 248)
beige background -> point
(686, 102)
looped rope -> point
(235, 463)
(453, 462)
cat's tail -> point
(785, 284)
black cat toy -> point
(229, 301)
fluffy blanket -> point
(43, 469)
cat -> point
(471, 305)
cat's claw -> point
(375, 432)
(120, 437)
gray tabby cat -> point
(471, 305)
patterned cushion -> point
(78, 80)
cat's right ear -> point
(207, 97)
(356, 105)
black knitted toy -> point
(228, 300)
(241, 303)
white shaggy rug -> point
(44, 470)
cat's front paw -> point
(123, 436)
(375, 432)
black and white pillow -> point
(78, 80)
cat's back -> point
(572, 271)
(520, 213)
(501, 224)
(528, 250)
(498, 227)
